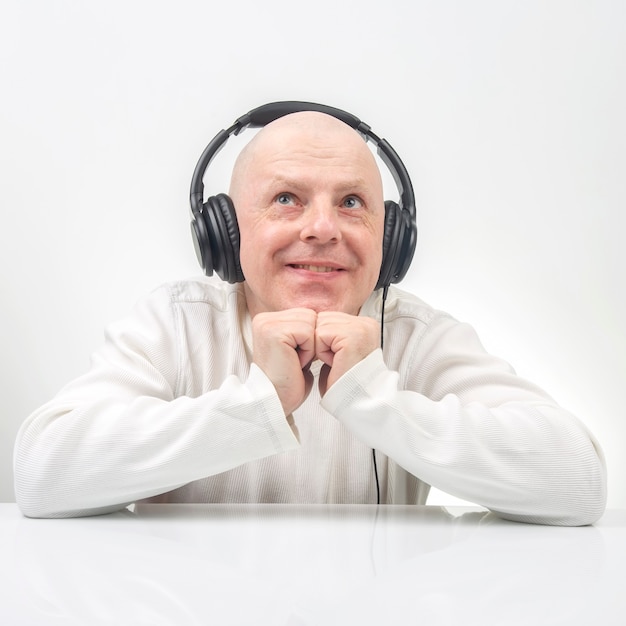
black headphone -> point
(214, 227)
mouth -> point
(318, 269)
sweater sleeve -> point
(121, 432)
(463, 422)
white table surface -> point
(301, 565)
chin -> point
(325, 301)
(290, 297)
(319, 306)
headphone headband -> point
(406, 236)
(266, 113)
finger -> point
(342, 341)
(323, 350)
(331, 331)
(304, 338)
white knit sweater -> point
(173, 410)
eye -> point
(285, 199)
(352, 202)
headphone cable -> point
(382, 343)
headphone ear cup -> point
(406, 245)
(223, 231)
(215, 235)
(391, 244)
(201, 241)
(399, 242)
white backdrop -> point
(509, 116)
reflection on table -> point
(304, 565)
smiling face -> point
(309, 203)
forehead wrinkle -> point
(302, 167)
(347, 184)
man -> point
(277, 389)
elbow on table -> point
(588, 509)
(576, 504)
(38, 495)
(32, 503)
(41, 492)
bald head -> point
(304, 133)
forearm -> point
(75, 457)
(529, 461)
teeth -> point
(314, 268)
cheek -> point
(371, 247)
(258, 245)
(247, 247)
(251, 258)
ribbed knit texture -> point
(172, 410)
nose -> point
(321, 224)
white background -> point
(509, 116)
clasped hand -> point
(287, 342)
